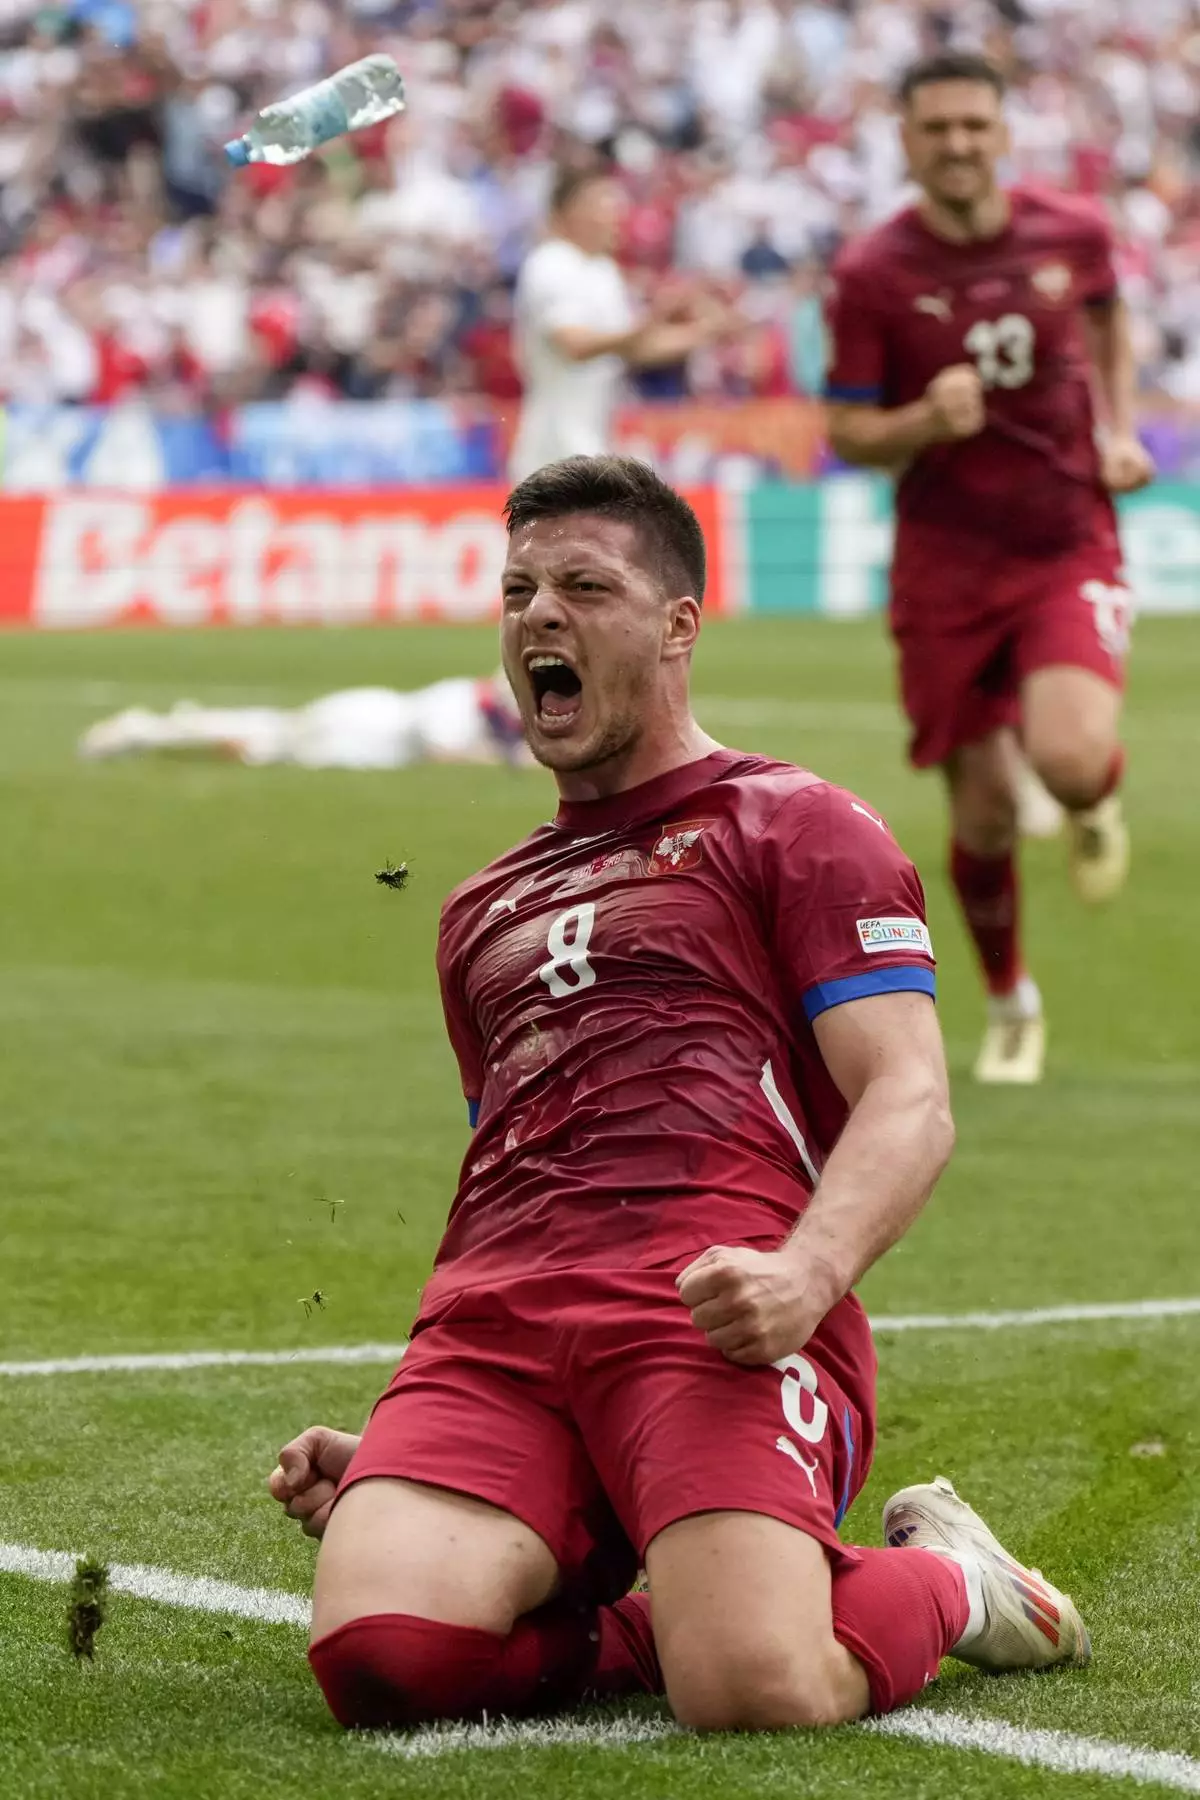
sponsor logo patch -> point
(894, 934)
(680, 847)
(1052, 281)
(625, 864)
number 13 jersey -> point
(631, 993)
(906, 304)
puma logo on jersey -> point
(936, 305)
(855, 807)
(811, 1469)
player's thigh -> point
(1070, 653)
(743, 1625)
(395, 1546)
(673, 1428)
(471, 1497)
(982, 783)
(1072, 720)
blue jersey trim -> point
(909, 978)
(473, 1113)
(848, 1438)
(857, 396)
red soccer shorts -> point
(587, 1404)
(969, 635)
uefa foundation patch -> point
(895, 934)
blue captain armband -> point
(908, 979)
(473, 1113)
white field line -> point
(199, 1593)
(207, 1359)
(1057, 1750)
(883, 1324)
(1061, 1751)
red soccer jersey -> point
(906, 304)
(631, 995)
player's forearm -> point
(645, 346)
(579, 344)
(1116, 367)
(886, 1164)
(878, 437)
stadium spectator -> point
(753, 136)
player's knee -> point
(1076, 768)
(763, 1690)
(390, 1670)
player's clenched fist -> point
(955, 401)
(304, 1481)
(1125, 465)
(754, 1306)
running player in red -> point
(694, 1017)
(970, 333)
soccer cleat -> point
(1099, 851)
(1038, 813)
(1021, 1621)
(1013, 1052)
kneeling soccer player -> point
(694, 1017)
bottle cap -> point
(238, 152)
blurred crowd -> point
(752, 136)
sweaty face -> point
(954, 135)
(581, 633)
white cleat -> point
(123, 734)
(1018, 1619)
(1013, 1052)
(1099, 851)
(1038, 813)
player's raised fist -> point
(1125, 465)
(955, 401)
(754, 1306)
(304, 1480)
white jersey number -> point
(1003, 350)
(800, 1380)
(567, 942)
(1113, 608)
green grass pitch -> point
(213, 1022)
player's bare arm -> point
(1125, 463)
(649, 343)
(886, 437)
(885, 1054)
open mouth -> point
(557, 689)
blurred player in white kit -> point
(577, 331)
(462, 720)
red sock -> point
(987, 892)
(899, 1612)
(393, 1670)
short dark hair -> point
(619, 487)
(571, 180)
(950, 65)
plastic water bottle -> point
(364, 93)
